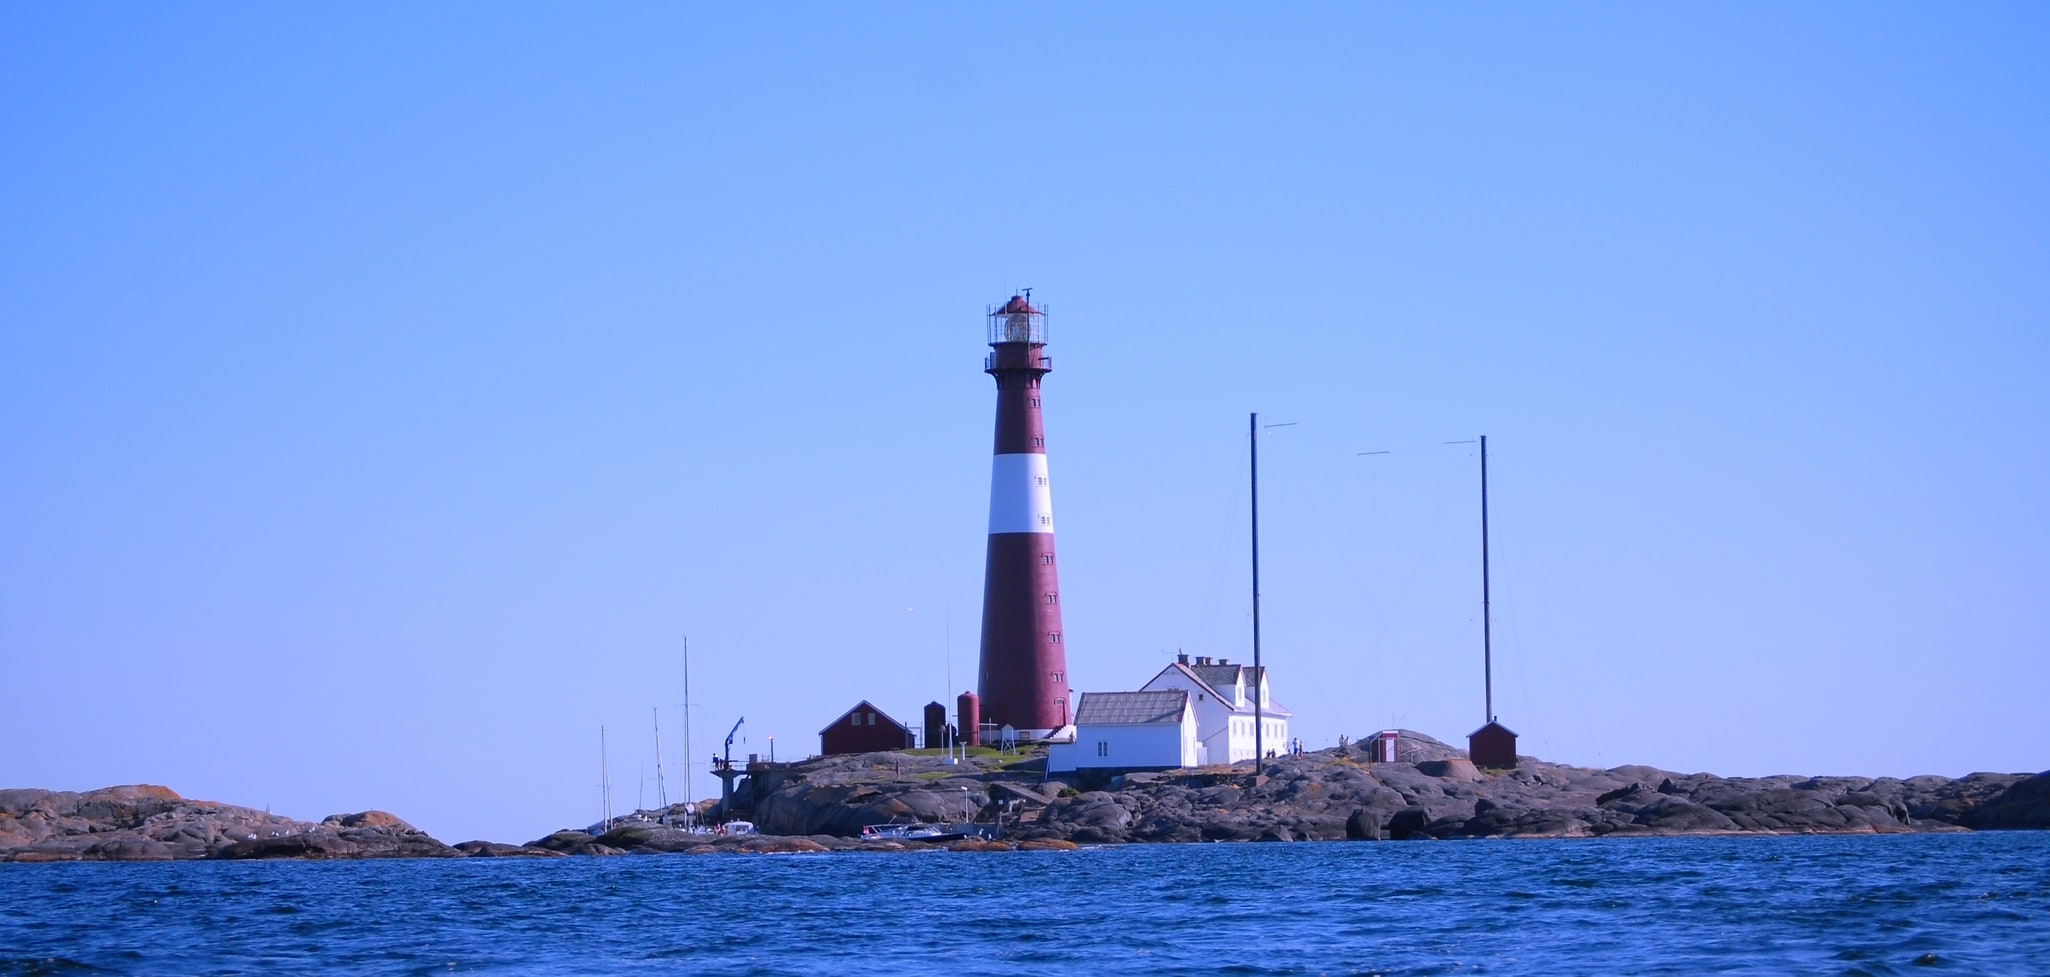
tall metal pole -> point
(1487, 641)
(689, 799)
(1259, 717)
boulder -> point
(1408, 823)
(1363, 825)
(1455, 768)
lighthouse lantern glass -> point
(1009, 326)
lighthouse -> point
(1024, 676)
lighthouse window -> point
(1042, 479)
(1046, 558)
(1046, 520)
(1053, 637)
(1056, 676)
(1039, 442)
(1035, 401)
(1050, 599)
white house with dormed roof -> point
(1222, 697)
(1129, 731)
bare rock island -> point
(1003, 802)
(148, 823)
(1333, 795)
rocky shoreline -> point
(1328, 795)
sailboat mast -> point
(661, 785)
(1259, 720)
(1487, 640)
(604, 780)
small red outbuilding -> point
(863, 729)
(1492, 747)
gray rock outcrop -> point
(1335, 795)
(149, 823)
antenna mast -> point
(688, 798)
(1487, 639)
(1259, 718)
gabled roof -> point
(1484, 729)
(864, 706)
(1132, 708)
(1190, 674)
(1210, 678)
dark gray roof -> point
(1221, 677)
(1132, 708)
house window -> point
(854, 720)
(1102, 747)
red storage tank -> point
(968, 709)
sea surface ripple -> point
(1952, 903)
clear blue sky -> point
(387, 392)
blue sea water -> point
(1958, 904)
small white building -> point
(1222, 696)
(1129, 731)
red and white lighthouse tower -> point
(1024, 681)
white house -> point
(1223, 701)
(1129, 731)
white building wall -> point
(1157, 745)
(1213, 718)
(1226, 728)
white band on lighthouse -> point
(1020, 500)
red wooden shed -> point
(1492, 746)
(863, 729)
